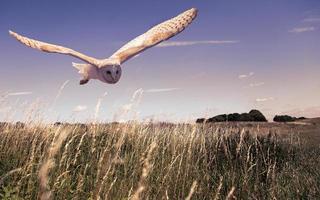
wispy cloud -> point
(59, 93)
(312, 19)
(189, 43)
(134, 102)
(18, 93)
(97, 109)
(155, 90)
(80, 108)
(243, 76)
(302, 29)
(264, 99)
(130, 109)
(256, 84)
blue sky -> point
(272, 62)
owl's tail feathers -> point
(84, 71)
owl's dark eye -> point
(117, 72)
(108, 72)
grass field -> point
(160, 161)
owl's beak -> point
(113, 77)
(114, 74)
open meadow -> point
(160, 161)
(159, 100)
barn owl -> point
(108, 70)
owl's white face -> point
(110, 74)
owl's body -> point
(109, 70)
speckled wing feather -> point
(51, 48)
(155, 35)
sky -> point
(236, 56)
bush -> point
(257, 116)
(252, 116)
(58, 124)
(218, 118)
(200, 120)
(234, 117)
(246, 117)
(286, 118)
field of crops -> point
(157, 161)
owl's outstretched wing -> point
(155, 35)
(51, 48)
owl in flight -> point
(108, 70)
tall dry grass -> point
(155, 161)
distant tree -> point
(246, 117)
(57, 124)
(252, 116)
(200, 120)
(221, 118)
(257, 116)
(283, 118)
(234, 117)
(286, 118)
(218, 118)
(210, 120)
(19, 124)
